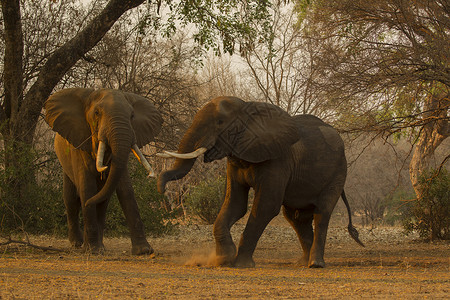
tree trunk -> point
(434, 131)
(12, 76)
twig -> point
(11, 241)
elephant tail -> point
(351, 230)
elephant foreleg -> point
(101, 213)
(233, 208)
(130, 209)
(301, 221)
(73, 207)
(101, 219)
(92, 241)
(265, 208)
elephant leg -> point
(101, 219)
(127, 200)
(233, 208)
(101, 214)
(322, 215)
(92, 242)
(73, 207)
(321, 222)
(265, 208)
(301, 221)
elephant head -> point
(106, 124)
(228, 126)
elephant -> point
(296, 163)
(95, 132)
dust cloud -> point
(207, 260)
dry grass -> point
(391, 265)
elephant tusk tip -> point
(151, 175)
(102, 169)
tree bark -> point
(12, 76)
(435, 130)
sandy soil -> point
(391, 265)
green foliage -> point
(205, 200)
(156, 219)
(219, 24)
(397, 206)
(429, 215)
(30, 192)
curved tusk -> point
(164, 155)
(190, 155)
(100, 156)
(142, 160)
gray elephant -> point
(297, 163)
(96, 131)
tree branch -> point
(11, 241)
(65, 58)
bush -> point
(430, 214)
(28, 203)
(205, 199)
(397, 207)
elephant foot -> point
(317, 264)
(76, 240)
(142, 249)
(76, 244)
(243, 262)
(225, 255)
(221, 260)
(94, 249)
(303, 261)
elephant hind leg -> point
(73, 207)
(301, 221)
(322, 215)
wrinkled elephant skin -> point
(96, 131)
(295, 163)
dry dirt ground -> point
(391, 266)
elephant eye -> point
(96, 113)
(132, 116)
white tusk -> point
(190, 155)
(100, 156)
(142, 160)
(164, 155)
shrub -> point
(205, 199)
(429, 215)
(397, 206)
(28, 203)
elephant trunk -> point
(181, 166)
(120, 149)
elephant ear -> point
(266, 132)
(65, 113)
(147, 120)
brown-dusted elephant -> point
(295, 162)
(96, 130)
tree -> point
(281, 65)
(387, 62)
(23, 97)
